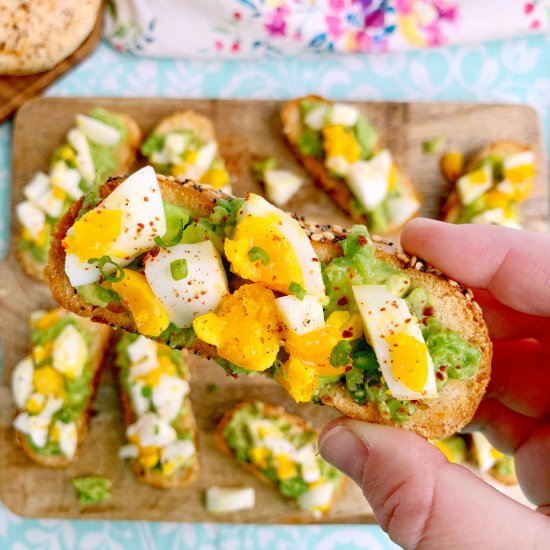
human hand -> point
(418, 497)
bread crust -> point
(155, 478)
(126, 155)
(269, 410)
(186, 120)
(335, 187)
(450, 211)
(102, 336)
(440, 418)
(36, 36)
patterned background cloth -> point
(248, 29)
(515, 70)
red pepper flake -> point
(146, 199)
(402, 409)
(314, 259)
(428, 311)
(342, 301)
(408, 320)
(362, 240)
(382, 309)
(347, 333)
(348, 368)
(439, 375)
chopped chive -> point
(256, 253)
(297, 290)
(433, 145)
(179, 269)
(147, 391)
(339, 357)
(176, 240)
(102, 262)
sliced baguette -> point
(153, 477)
(452, 207)
(440, 418)
(101, 337)
(270, 411)
(126, 155)
(335, 187)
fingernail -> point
(344, 450)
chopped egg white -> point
(174, 145)
(315, 119)
(301, 316)
(67, 179)
(142, 353)
(474, 184)
(309, 464)
(317, 499)
(178, 453)
(31, 218)
(341, 114)
(37, 426)
(369, 179)
(37, 188)
(205, 155)
(168, 396)
(229, 499)
(67, 437)
(199, 292)
(140, 403)
(84, 160)
(395, 335)
(51, 202)
(484, 453)
(97, 131)
(338, 165)
(495, 216)
(152, 431)
(21, 382)
(281, 185)
(400, 209)
(70, 352)
(128, 451)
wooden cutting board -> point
(246, 130)
(15, 90)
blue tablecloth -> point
(516, 70)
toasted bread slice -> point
(186, 120)
(335, 187)
(451, 209)
(436, 418)
(156, 478)
(269, 411)
(125, 153)
(101, 335)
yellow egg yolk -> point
(517, 174)
(286, 467)
(136, 294)
(339, 141)
(444, 448)
(94, 234)
(298, 378)
(282, 267)
(496, 199)
(48, 319)
(165, 366)
(39, 353)
(258, 456)
(246, 329)
(477, 177)
(48, 381)
(217, 177)
(409, 361)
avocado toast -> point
(53, 387)
(171, 255)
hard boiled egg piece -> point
(140, 403)
(343, 115)
(21, 382)
(301, 316)
(168, 396)
(484, 453)
(474, 184)
(84, 160)
(143, 355)
(67, 437)
(287, 255)
(176, 455)
(97, 131)
(369, 179)
(31, 218)
(199, 292)
(317, 499)
(229, 499)
(281, 185)
(315, 118)
(395, 335)
(122, 226)
(67, 179)
(69, 353)
(152, 431)
(37, 187)
(402, 208)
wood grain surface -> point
(16, 90)
(246, 130)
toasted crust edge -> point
(156, 479)
(454, 303)
(102, 337)
(336, 188)
(269, 410)
(126, 155)
(504, 147)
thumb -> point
(420, 499)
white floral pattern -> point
(513, 71)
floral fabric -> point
(259, 28)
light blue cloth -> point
(511, 71)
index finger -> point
(514, 266)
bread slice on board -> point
(435, 419)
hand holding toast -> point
(416, 494)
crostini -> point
(53, 387)
(331, 315)
(339, 147)
(492, 185)
(281, 449)
(184, 145)
(101, 144)
(160, 426)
